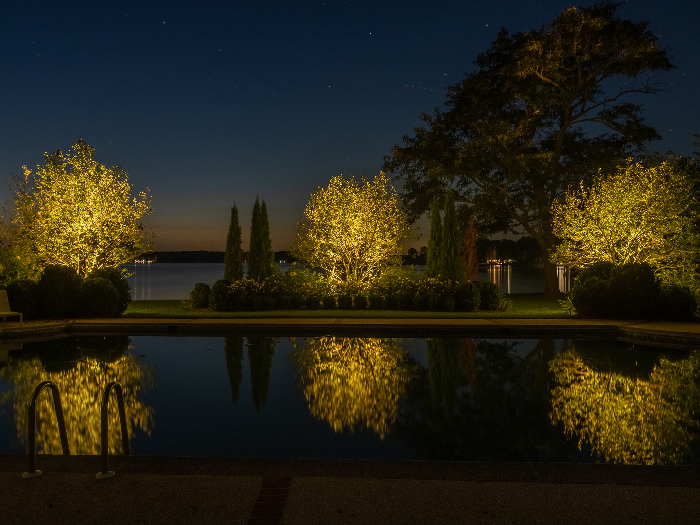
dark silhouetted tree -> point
(470, 257)
(432, 267)
(261, 258)
(512, 139)
(450, 261)
(233, 256)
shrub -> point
(297, 302)
(218, 296)
(405, 300)
(360, 302)
(467, 297)
(675, 302)
(98, 298)
(270, 302)
(605, 290)
(59, 291)
(634, 290)
(313, 302)
(116, 277)
(23, 296)
(420, 302)
(436, 302)
(490, 296)
(284, 302)
(254, 303)
(375, 301)
(391, 302)
(590, 297)
(345, 302)
(328, 302)
(199, 297)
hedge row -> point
(629, 291)
(432, 294)
(61, 293)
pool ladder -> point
(104, 473)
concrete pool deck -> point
(299, 491)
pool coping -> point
(656, 332)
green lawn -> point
(525, 306)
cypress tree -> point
(432, 267)
(233, 256)
(261, 258)
(450, 267)
(268, 256)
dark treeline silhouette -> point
(201, 256)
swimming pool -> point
(575, 400)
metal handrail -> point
(104, 428)
(32, 471)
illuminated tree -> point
(233, 256)
(81, 388)
(75, 212)
(542, 112)
(353, 382)
(351, 230)
(629, 420)
(638, 215)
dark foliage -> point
(59, 292)
(199, 297)
(98, 298)
(116, 277)
(23, 296)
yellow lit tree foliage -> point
(637, 215)
(353, 382)
(81, 389)
(78, 213)
(352, 230)
(629, 420)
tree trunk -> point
(551, 280)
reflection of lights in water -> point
(500, 274)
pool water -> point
(331, 397)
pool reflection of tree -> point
(261, 351)
(479, 400)
(631, 420)
(81, 368)
(354, 382)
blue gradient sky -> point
(214, 102)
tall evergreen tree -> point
(261, 258)
(450, 267)
(432, 266)
(233, 256)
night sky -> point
(207, 103)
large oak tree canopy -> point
(544, 110)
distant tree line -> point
(201, 256)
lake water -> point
(158, 281)
(451, 398)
